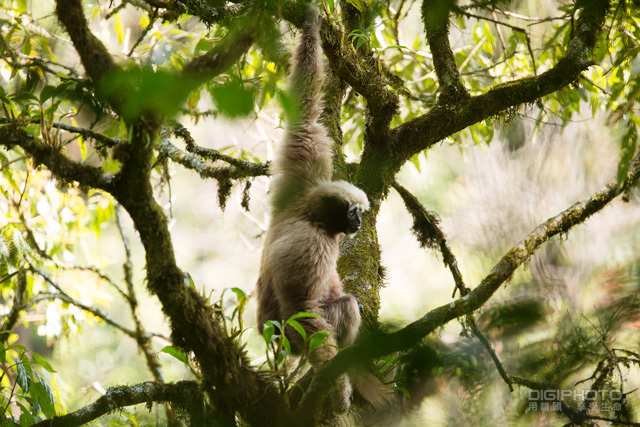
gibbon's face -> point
(354, 217)
(337, 216)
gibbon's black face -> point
(355, 220)
(336, 216)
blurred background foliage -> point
(571, 315)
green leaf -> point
(286, 346)
(22, 377)
(233, 99)
(46, 93)
(42, 362)
(26, 419)
(298, 327)
(402, 390)
(239, 293)
(188, 281)
(628, 147)
(304, 314)
(41, 393)
(317, 339)
(146, 90)
(178, 354)
(269, 331)
(357, 4)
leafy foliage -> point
(23, 386)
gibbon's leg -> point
(343, 314)
(310, 326)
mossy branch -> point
(222, 56)
(184, 394)
(429, 234)
(54, 159)
(205, 170)
(435, 15)
(444, 120)
(94, 55)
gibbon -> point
(309, 215)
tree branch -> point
(405, 338)
(184, 394)
(19, 303)
(576, 417)
(141, 336)
(422, 132)
(222, 56)
(241, 169)
(63, 296)
(88, 133)
(425, 226)
(61, 166)
(505, 24)
(94, 55)
(213, 155)
(363, 75)
(435, 15)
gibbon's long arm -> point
(303, 159)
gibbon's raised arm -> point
(304, 157)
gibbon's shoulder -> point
(340, 190)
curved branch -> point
(425, 226)
(422, 132)
(378, 346)
(94, 55)
(63, 296)
(61, 166)
(184, 394)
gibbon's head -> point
(337, 206)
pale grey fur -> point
(298, 271)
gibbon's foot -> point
(322, 353)
(341, 396)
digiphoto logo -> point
(551, 400)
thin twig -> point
(31, 240)
(145, 31)
(513, 27)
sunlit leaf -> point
(42, 361)
(175, 352)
